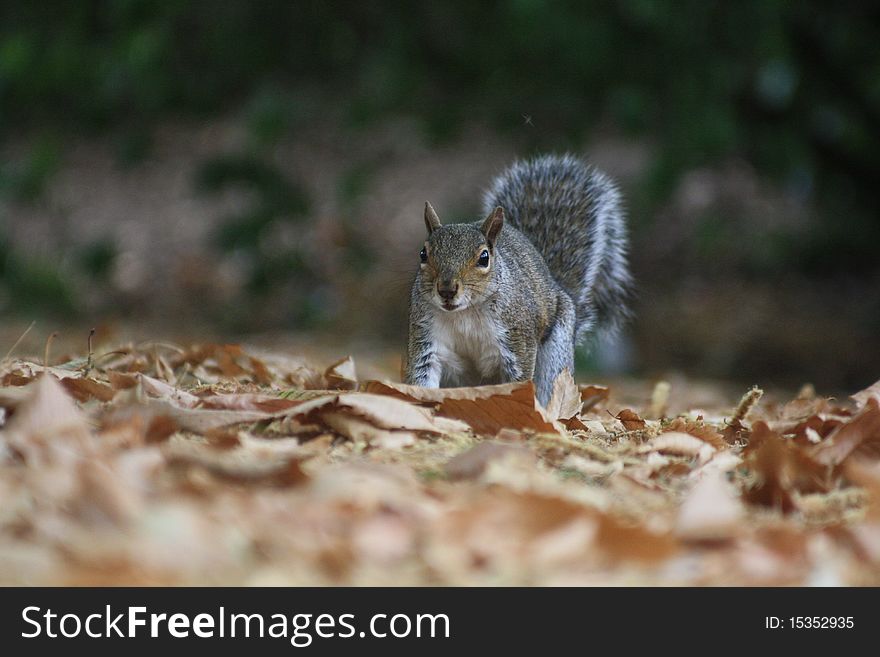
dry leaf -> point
(682, 444)
(698, 429)
(342, 375)
(85, 389)
(861, 435)
(487, 409)
(591, 395)
(381, 411)
(565, 398)
(630, 419)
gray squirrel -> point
(508, 298)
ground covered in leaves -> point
(218, 464)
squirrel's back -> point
(572, 214)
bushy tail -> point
(572, 213)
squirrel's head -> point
(457, 260)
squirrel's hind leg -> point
(556, 351)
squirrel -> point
(507, 299)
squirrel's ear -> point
(432, 221)
(493, 224)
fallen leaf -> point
(861, 435)
(698, 429)
(381, 411)
(342, 375)
(565, 398)
(630, 419)
(83, 389)
(591, 395)
(674, 442)
(487, 409)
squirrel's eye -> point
(484, 259)
(423, 255)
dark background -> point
(239, 168)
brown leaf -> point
(248, 402)
(698, 429)
(85, 389)
(591, 395)
(122, 380)
(630, 419)
(487, 409)
(861, 435)
(381, 411)
(342, 375)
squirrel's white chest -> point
(468, 348)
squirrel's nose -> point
(447, 290)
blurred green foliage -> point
(794, 87)
(33, 284)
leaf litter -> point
(221, 464)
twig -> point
(49, 340)
(20, 338)
(89, 359)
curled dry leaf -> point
(591, 395)
(161, 390)
(487, 409)
(85, 389)
(381, 411)
(565, 398)
(342, 375)
(681, 444)
(630, 420)
(697, 429)
(861, 436)
(359, 429)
